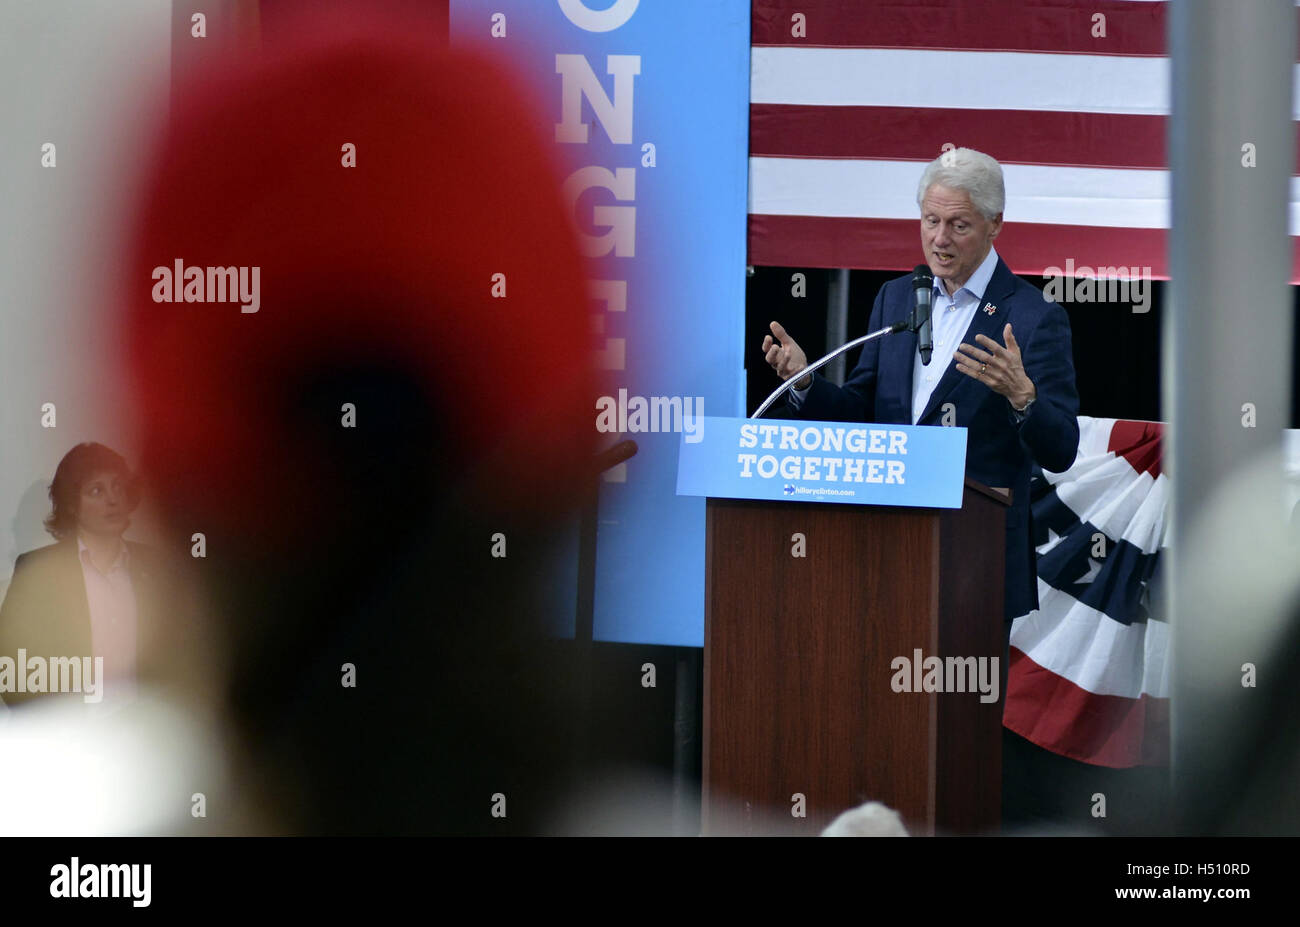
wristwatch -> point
(1021, 413)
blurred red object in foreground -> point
(377, 273)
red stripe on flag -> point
(1105, 730)
(897, 133)
(1057, 26)
(895, 244)
(1139, 443)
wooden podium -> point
(798, 650)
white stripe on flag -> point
(1092, 650)
(959, 80)
(1107, 197)
(1094, 441)
(930, 79)
(860, 189)
(1124, 505)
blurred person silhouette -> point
(347, 457)
(88, 594)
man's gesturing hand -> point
(785, 356)
(998, 368)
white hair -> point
(870, 820)
(971, 171)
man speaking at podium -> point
(1001, 364)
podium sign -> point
(798, 461)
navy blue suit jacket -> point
(999, 451)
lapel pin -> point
(990, 308)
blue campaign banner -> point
(868, 464)
(648, 106)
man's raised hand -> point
(785, 356)
(1000, 369)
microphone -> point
(922, 299)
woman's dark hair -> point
(77, 466)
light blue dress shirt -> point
(949, 321)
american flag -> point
(849, 98)
(1089, 674)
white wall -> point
(85, 75)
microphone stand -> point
(780, 390)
